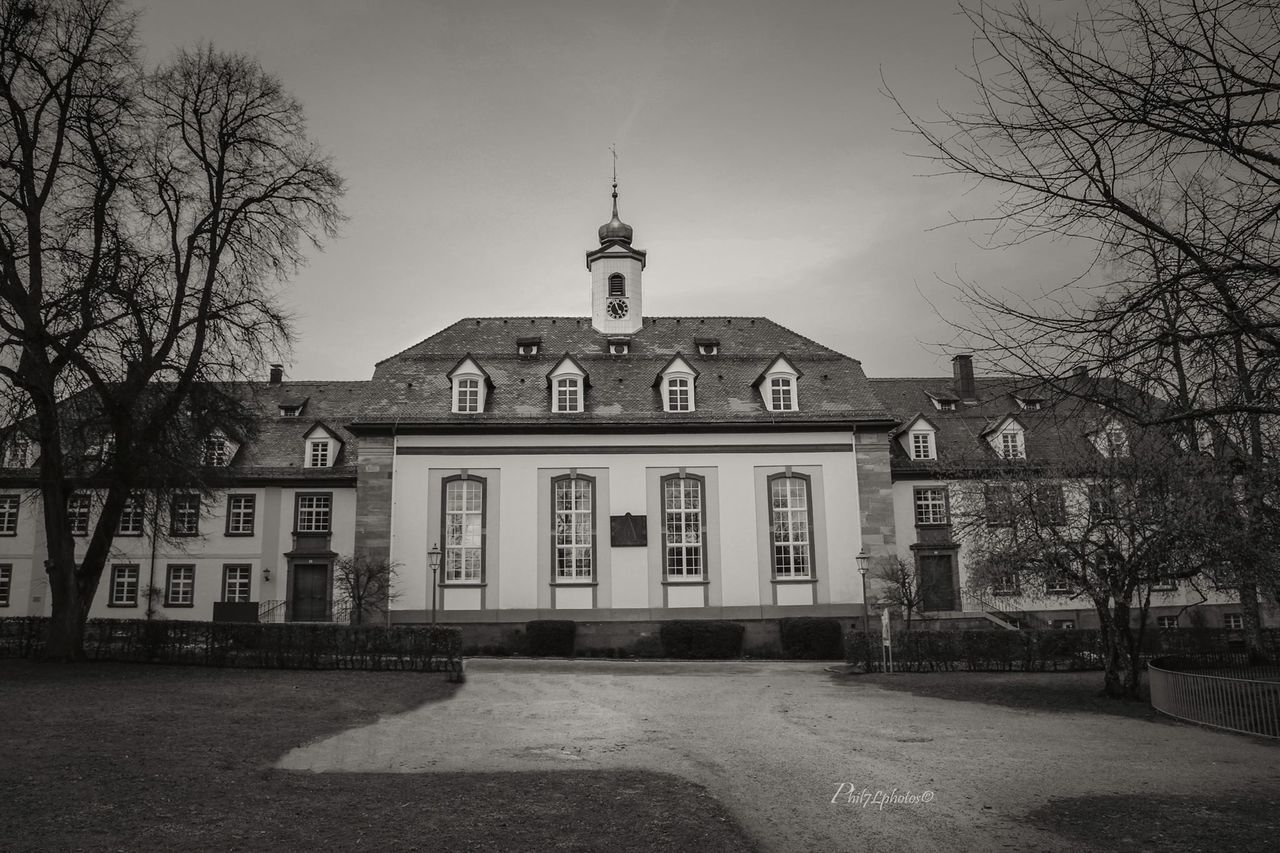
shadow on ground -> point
(1218, 820)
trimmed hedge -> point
(811, 638)
(550, 638)
(696, 639)
(1031, 651)
(425, 648)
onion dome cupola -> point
(616, 292)
(615, 228)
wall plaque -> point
(628, 531)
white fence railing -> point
(1236, 704)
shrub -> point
(810, 638)
(550, 637)
(696, 639)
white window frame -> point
(1012, 444)
(124, 585)
(684, 551)
(319, 453)
(133, 516)
(17, 452)
(791, 527)
(241, 519)
(467, 395)
(179, 515)
(6, 584)
(678, 393)
(573, 533)
(1233, 621)
(922, 447)
(464, 530)
(79, 508)
(566, 394)
(1167, 623)
(930, 505)
(237, 582)
(215, 452)
(180, 585)
(782, 394)
(311, 510)
(9, 508)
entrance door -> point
(937, 586)
(310, 593)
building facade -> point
(616, 467)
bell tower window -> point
(617, 285)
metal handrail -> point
(1018, 618)
(1243, 705)
(271, 610)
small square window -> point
(184, 515)
(240, 515)
(124, 587)
(931, 506)
(132, 517)
(313, 514)
(921, 445)
(9, 515)
(1233, 621)
(78, 514)
(180, 585)
(236, 583)
(318, 453)
(1167, 623)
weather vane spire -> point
(614, 149)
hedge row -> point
(274, 646)
(1031, 651)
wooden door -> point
(310, 601)
(937, 586)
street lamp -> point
(433, 563)
(862, 559)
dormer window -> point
(617, 285)
(922, 445)
(707, 346)
(317, 453)
(17, 452)
(1112, 441)
(216, 452)
(679, 394)
(782, 394)
(1029, 404)
(567, 383)
(568, 394)
(470, 386)
(945, 405)
(1011, 445)
(528, 346)
(320, 448)
(619, 346)
(290, 411)
(676, 385)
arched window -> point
(573, 541)
(617, 285)
(679, 394)
(791, 526)
(464, 507)
(683, 527)
(568, 394)
(467, 395)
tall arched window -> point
(464, 507)
(617, 285)
(573, 528)
(791, 526)
(684, 531)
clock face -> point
(616, 308)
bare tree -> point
(1105, 527)
(1150, 129)
(146, 219)
(899, 585)
(364, 586)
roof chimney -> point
(277, 374)
(962, 370)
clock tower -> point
(616, 291)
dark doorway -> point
(310, 593)
(937, 586)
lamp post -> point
(433, 562)
(862, 559)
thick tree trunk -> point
(1122, 673)
(1251, 615)
(70, 611)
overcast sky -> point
(759, 162)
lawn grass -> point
(134, 757)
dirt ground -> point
(811, 760)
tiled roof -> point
(277, 451)
(1056, 432)
(413, 386)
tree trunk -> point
(1251, 615)
(1120, 655)
(70, 611)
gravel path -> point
(776, 741)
